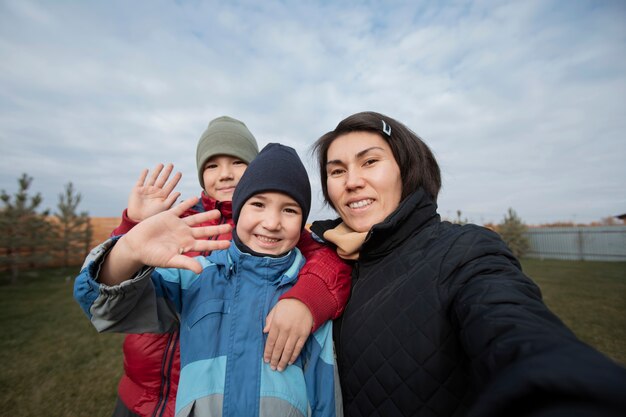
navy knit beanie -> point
(276, 168)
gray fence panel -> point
(603, 243)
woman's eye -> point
(335, 172)
(370, 161)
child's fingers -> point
(171, 199)
(210, 245)
(205, 245)
(266, 329)
(171, 184)
(142, 178)
(200, 218)
(278, 350)
(210, 231)
(184, 206)
(185, 262)
(161, 179)
(291, 351)
(297, 349)
(155, 173)
(271, 337)
(285, 355)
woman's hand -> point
(289, 325)
(152, 195)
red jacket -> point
(152, 361)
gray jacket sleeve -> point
(130, 307)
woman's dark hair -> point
(418, 167)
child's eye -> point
(239, 163)
(210, 166)
(291, 210)
(256, 204)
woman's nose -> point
(354, 179)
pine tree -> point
(73, 231)
(512, 230)
(24, 233)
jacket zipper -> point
(166, 374)
(222, 221)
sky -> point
(523, 102)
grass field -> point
(55, 364)
(590, 297)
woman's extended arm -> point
(521, 353)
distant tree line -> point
(31, 237)
(512, 230)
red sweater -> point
(152, 361)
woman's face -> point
(363, 179)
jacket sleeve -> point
(524, 360)
(125, 225)
(323, 283)
(320, 374)
(134, 306)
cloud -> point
(522, 102)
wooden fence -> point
(102, 228)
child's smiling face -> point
(270, 223)
(221, 175)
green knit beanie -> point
(225, 136)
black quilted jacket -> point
(442, 322)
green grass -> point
(590, 298)
(54, 363)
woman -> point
(441, 320)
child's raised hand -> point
(153, 194)
(161, 240)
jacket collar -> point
(207, 203)
(413, 214)
(281, 271)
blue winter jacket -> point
(221, 313)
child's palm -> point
(162, 239)
(154, 194)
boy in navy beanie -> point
(219, 300)
(273, 192)
(276, 168)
